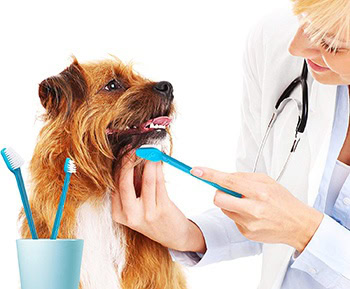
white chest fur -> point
(103, 255)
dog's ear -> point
(61, 93)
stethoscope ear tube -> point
(302, 80)
(305, 110)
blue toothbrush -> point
(155, 155)
(14, 163)
(69, 168)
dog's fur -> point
(78, 111)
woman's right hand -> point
(153, 214)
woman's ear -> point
(61, 93)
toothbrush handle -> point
(25, 202)
(177, 164)
(185, 168)
(59, 212)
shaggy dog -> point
(95, 113)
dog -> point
(95, 113)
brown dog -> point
(96, 112)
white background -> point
(196, 45)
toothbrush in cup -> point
(69, 169)
(14, 163)
(155, 155)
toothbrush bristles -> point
(71, 167)
(14, 158)
(157, 146)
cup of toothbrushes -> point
(49, 264)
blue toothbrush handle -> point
(185, 168)
(232, 193)
(177, 164)
(25, 202)
(60, 208)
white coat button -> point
(346, 201)
(312, 271)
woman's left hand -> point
(267, 212)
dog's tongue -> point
(161, 120)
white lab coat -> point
(268, 70)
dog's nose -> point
(165, 88)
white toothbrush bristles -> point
(71, 167)
(157, 146)
(14, 158)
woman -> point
(302, 246)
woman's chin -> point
(328, 78)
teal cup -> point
(49, 264)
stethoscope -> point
(302, 117)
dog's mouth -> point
(158, 124)
(152, 131)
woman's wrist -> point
(194, 241)
(310, 221)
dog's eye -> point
(112, 85)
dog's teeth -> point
(152, 125)
(134, 126)
(159, 126)
(127, 127)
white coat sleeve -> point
(326, 257)
(223, 239)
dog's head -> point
(101, 110)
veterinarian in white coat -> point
(301, 228)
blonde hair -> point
(325, 19)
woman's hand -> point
(153, 214)
(268, 212)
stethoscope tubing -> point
(302, 118)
